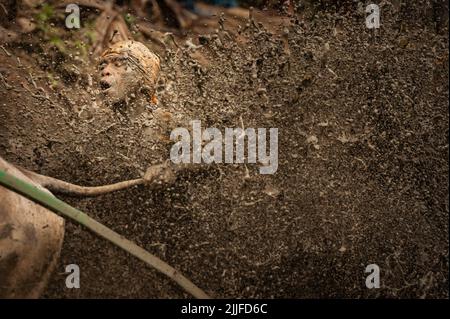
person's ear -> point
(146, 90)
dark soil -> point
(363, 159)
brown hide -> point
(30, 241)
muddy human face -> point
(117, 78)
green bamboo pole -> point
(60, 207)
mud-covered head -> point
(128, 67)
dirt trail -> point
(363, 161)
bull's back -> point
(30, 242)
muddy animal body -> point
(31, 236)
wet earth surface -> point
(362, 179)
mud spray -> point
(362, 177)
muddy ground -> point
(363, 158)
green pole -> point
(32, 192)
